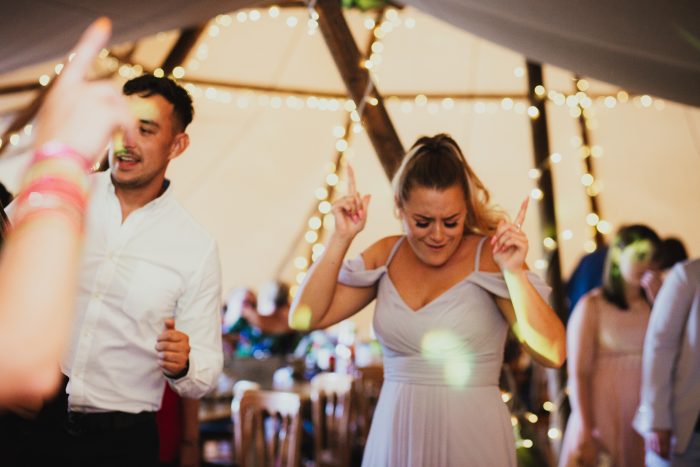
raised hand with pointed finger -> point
(350, 211)
(510, 243)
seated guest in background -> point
(149, 296)
(605, 339)
(669, 410)
(265, 331)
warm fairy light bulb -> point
(410, 23)
(158, 73)
(315, 223)
(582, 85)
(592, 219)
(292, 21)
(622, 96)
(324, 207)
(28, 129)
(507, 103)
(536, 194)
(646, 100)
(321, 193)
(318, 249)
(311, 236)
(555, 158)
(421, 99)
(567, 234)
(541, 264)
(214, 30)
(590, 246)
(534, 174)
(548, 406)
(506, 396)
(300, 277)
(531, 417)
(332, 179)
(604, 227)
(274, 11)
(533, 112)
(539, 90)
(554, 433)
(14, 139)
(369, 23)
(610, 102)
(527, 443)
(328, 221)
(338, 131)
(549, 243)
(514, 420)
(519, 72)
(44, 80)
(341, 145)
(587, 179)
(300, 262)
(254, 15)
(178, 72)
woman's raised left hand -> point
(510, 243)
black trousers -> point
(57, 437)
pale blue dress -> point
(440, 404)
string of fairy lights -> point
(578, 103)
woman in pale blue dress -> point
(446, 293)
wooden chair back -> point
(368, 385)
(267, 429)
(332, 403)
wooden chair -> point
(267, 429)
(332, 403)
(368, 385)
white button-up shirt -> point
(158, 264)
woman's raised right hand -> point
(350, 211)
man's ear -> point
(179, 144)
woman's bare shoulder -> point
(377, 254)
(486, 262)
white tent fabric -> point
(647, 46)
(257, 158)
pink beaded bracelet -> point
(56, 149)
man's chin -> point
(119, 181)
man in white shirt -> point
(669, 410)
(148, 308)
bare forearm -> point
(43, 251)
(537, 324)
(317, 290)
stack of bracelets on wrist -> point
(55, 183)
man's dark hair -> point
(149, 85)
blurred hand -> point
(658, 441)
(651, 283)
(587, 451)
(173, 349)
(189, 454)
(350, 211)
(80, 113)
(510, 243)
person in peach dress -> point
(605, 339)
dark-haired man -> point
(147, 311)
